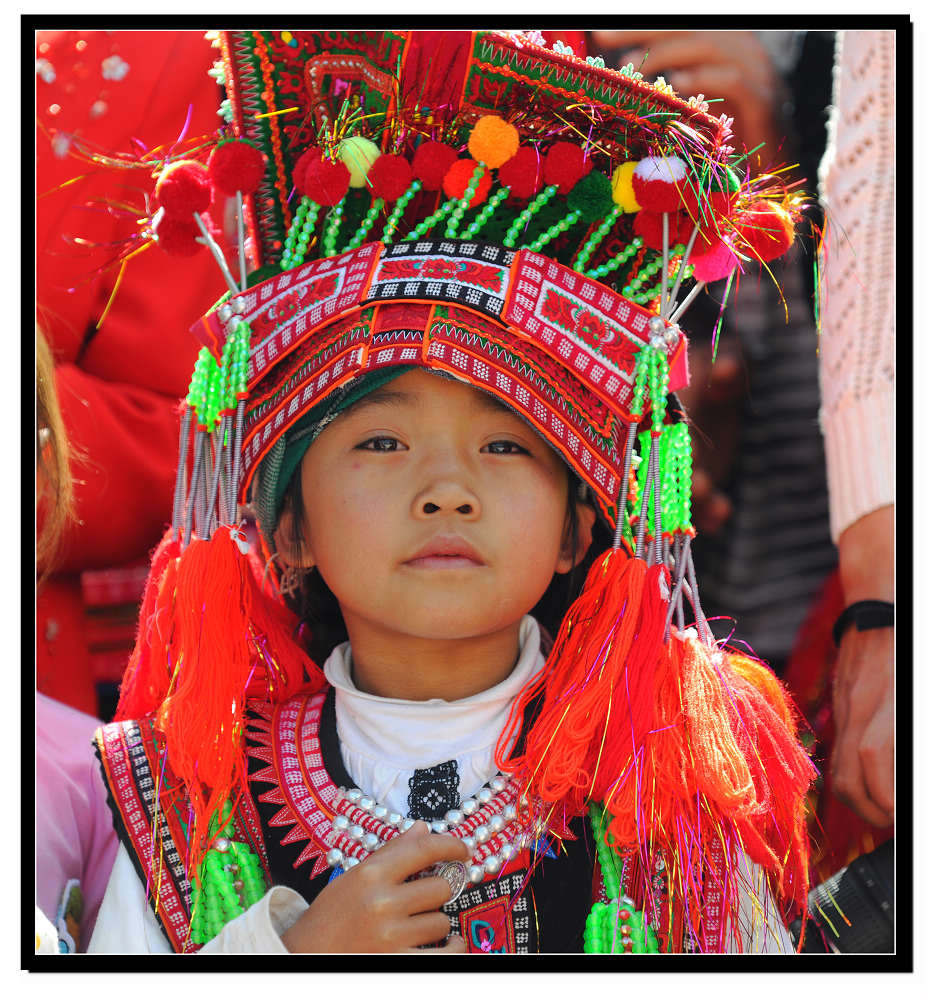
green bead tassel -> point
(370, 216)
(431, 220)
(332, 229)
(591, 244)
(488, 209)
(557, 229)
(462, 205)
(615, 262)
(510, 237)
(398, 211)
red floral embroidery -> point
(398, 270)
(558, 309)
(440, 269)
(483, 275)
(320, 290)
(593, 329)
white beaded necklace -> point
(487, 823)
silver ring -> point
(456, 875)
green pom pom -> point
(591, 197)
(725, 180)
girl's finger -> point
(423, 894)
(425, 928)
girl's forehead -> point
(423, 388)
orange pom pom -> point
(493, 141)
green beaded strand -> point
(332, 229)
(462, 204)
(398, 211)
(510, 237)
(487, 211)
(430, 221)
(595, 239)
(299, 233)
(370, 216)
(615, 262)
(555, 230)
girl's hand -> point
(372, 908)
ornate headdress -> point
(535, 225)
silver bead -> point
(354, 794)
(222, 845)
(340, 822)
(380, 812)
(469, 842)
(225, 312)
(507, 851)
(492, 864)
(657, 324)
(350, 863)
(454, 817)
(469, 807)
(499, 783)
(439, 826)
(394, 819)
(485, 795)
(367, 803)
(238, 306)
(496, 823)
(406, 824)
(510, 812)
(356, 831)
(481, 833)
(334, 857)
(476, 874)
(671, 336)
(370, 841)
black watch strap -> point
(865, 615)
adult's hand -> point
(733, 65)
(863, 763)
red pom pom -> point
(523, 173)
(660, 183)
(649, 227)
(430, 163)
(565, 165)
(178, 237)
(236, 166)
(457, 180)
(326, 182)
(390, 176)
(184, 188)
(310, 155)
(722, 203)
(768, 229)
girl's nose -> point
(449, 495)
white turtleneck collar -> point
(383, 740)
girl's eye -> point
(505, 448)
(381, 444)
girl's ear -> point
(292, 550)
(585, 522)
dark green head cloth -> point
(281, 462)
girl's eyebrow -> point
(383, 397)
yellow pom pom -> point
(622, 187)
(493, 141)
(358, 153)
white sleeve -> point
(762, 931)
(126, 924)
(857, 349)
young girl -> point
(436, 432)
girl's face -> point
(432, 511)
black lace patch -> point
(433, 791)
